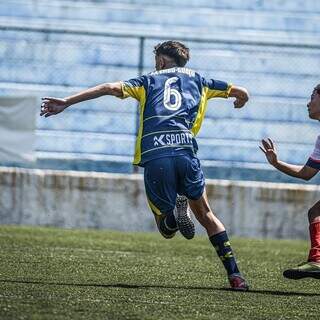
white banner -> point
(17, 129)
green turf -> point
(48, 273)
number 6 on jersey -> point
(168, 92)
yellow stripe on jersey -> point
(130, 91)
(213, 93)
(201, 111)
(137, 154)
(207, 94)
(139, 93)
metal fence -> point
(48, 61)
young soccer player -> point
(173, 101)
(311, 268)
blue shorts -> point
(166, 177)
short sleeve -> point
(313, 163)
(133, 88)
(216, 88)
(314, 159)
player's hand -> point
(269, 150)
(241, 94)
(51, 106)
(239, 103)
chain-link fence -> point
(47, 62)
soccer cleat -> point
(238, 283)
(165, 232)
(304, 270)
(183, 218)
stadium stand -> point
(268, 47)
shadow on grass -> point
(134, 286)
(276, 293)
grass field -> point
(48, 273)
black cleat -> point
(304, 270)
(183, 218)
(163, 229)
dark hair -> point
(175, 50)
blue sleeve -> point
(216, 88)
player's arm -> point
(304, 172)
(51, 106)
(241, 94)
(222, 89)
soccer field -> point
(48, 273)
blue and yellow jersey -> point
(172, 107)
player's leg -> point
(165, 227)
(312, 267)
(194, 189)
(219, 239)
(314, 228)
(161, 194)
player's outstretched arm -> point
(51, 106)
(302, 172)
(241, 94)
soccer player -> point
(173, 101)
(311, 268)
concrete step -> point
(212, 128)
(123, 145)
(258, 108)
(60, 74)
(62, 50)
(230, 170)
(92, 143)
(238, 129)
(261, 108)
(87, 76)
(84, 162)
(273, 5)
(249, 152)
(183, 15)
(86, 121)
(298, 6)
(216, 57)
(53, 28)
